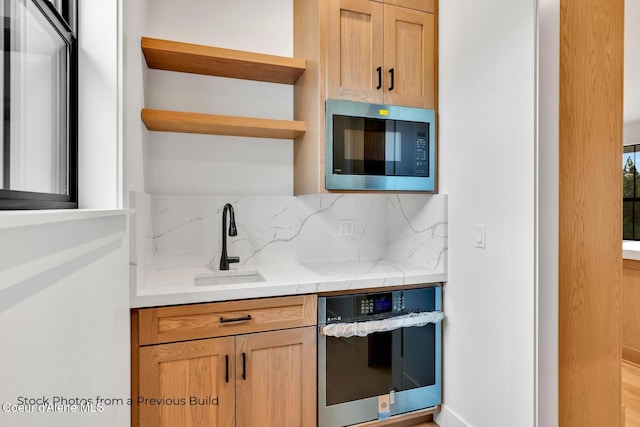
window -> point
(38, 166)
(630, 193)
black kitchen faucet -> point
(224, 259)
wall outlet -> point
(345, 228)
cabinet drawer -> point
(187, 322)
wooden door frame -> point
(590, 226)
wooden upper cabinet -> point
(191, 379)
(409, 57)
(381, 53)
(423, 5)
(344, 43)
(276, 378)
(355, 50)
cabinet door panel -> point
(279, 388)
(187, 382)
(354, 50)
(410, 52)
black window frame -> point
(64, 22)
(635, 200)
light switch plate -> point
(480, 236)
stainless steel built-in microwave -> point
(379, 147)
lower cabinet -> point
(187, 384)
(276, 378)
(246, 380)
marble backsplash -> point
(184, 231)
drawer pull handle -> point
(237, 319)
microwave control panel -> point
(421, 155)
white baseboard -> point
(447, 418)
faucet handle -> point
(232, 259)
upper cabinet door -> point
(355, 50)
(409, 52)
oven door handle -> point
(362, 329)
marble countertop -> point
(631, 249)
(171, 287)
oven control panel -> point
(380, 305)
(398, 303)
(376, 303)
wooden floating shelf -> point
(215, 61)
(213, 124)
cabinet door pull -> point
(244, 366)
(391, 71)
(226, 368)
(237, 319)
(379, 70)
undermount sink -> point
(227, 277)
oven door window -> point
(362, 367)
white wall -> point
(631, 132)
(547, 212)
(64, 303)
(136, 135)
(487, 98)
(632, 62)
(631, 72)
(99, 142)
(173, 163)
(64, 286)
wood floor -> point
(631, 393)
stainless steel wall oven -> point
(379, 354)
